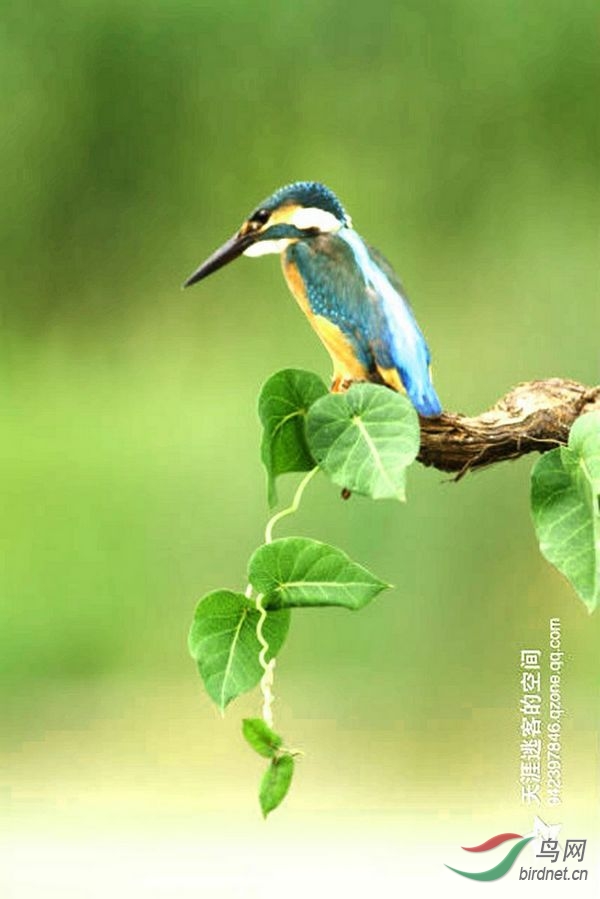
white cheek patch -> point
(314, 218)
(264, 247)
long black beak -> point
(227, 253)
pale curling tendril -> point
(290, 509)
(266, 683)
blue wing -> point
(356, 289)
(405, 347)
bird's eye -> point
(261, 216)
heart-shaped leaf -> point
(365, 439)
(224, 644)
(565, 503)
(298, 571)
(282, 406)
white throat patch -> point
(264, 247)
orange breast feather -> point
(346, 365)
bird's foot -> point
(340, 384)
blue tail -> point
(427, 403)
(422, 392)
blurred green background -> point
(462, 138)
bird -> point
(347, 289)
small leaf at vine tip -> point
(282, 406)
(260, 737)
(223, 642)
(565, 504)
(365, 439)
(275, 783)
(297, 571)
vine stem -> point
(266, 682)
(294, 506)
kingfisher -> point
(347, 289)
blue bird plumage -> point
(348, 291)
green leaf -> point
(365, 439)
(275, 783)
(297, 571)
(223, 642)
(260, 737)
(565, 502)
(282, 406)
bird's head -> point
(298, 211)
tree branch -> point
(534, 417)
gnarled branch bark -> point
(534, 417)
